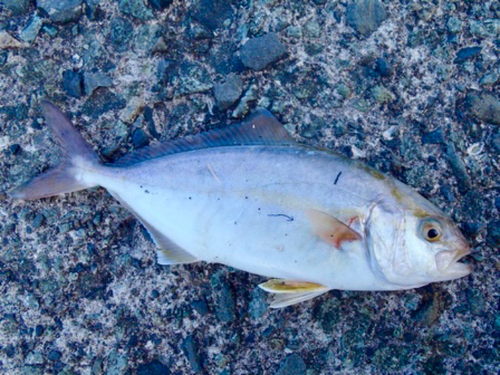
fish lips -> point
(449, 265)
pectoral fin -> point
(330, 229)
(290, 292)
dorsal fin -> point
(260, 128)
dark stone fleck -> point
(200, 306)
(39, 330)
(433, 137)
(191, 352)
(365, 16)
(472, 228)
(3, 57)
(228, 93)
(497, 203)
(139, 138)
(225, 307)
(153, 368)
(61, 11)
(260, 52)
(73, 83)
(155, 294)
(383, 67)
(476, 301)
(102, 101)
(292, 365)
(493, 237)
(458, 168)
(15, 149)
(135, 8)
(160, 4)
(484, 106)
(54, 355)
(211, 13)
(10, 351)
(466, 54)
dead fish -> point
(249, 197)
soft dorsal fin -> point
(260, 128)
(170, 252)
(330, 229)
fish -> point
(250, 197)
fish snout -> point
(448, 261)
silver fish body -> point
(310, 218)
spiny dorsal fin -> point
(260, 128)
(170, 252)
(330, 229)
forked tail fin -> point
(64, 178)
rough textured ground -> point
(411, 87)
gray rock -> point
(484, 106)
(382, 94)
(493, 237)
(251, 96)
(17, 7)
(139, 138)
(31, 31)
(211, 13)
(258, 304)
(72, 83)
(365, 16)
(120, 33)
(489, 79)
(135, 8)
(61, 11)
(454, 25)
(458, 168)
(467, 53)
(160, 4)
(433, 137)
(225, 307)
(312, 29)
(260, 52)
(92, 81)
(191, 78)
(228, 93)
(292, 365)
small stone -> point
(61, 11)
(3, 57)
(489, 79)
(458, 168)
(260, 52)
(132, 110)
(31, 31)
(39, 330)
(191, 352)
(258, 305)
(343, 90)
(493, 237)
(139, 139)
(200, 306)
(54, 355)
(382, 94)
(72, 83)
(292, 365)
(225, 307)
(454, 25)
(65, 227)
(50, 30)
(211, 13)
(9, 42)
(228, 93)
(15, 149)
(484, 106)
(135, 8)
(383, 67)
(10, 351)
(191, 78)
(34, 358)
(120, 33)
(251, 96)
(92, 81)
(312, 29)
(17, 7)
(497, 203)
(38, 221)
(433, 137)
(153, 368)
(365, 16)
(294, 32)
(466, 54)
(160, 4)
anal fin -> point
(170, 252)
(291, 292)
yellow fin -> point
(330, 229)
(291, 286)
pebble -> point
(382, 95)
(258, 53)
(30, 32)
(312, 29)
(17, 7)
(258, 305)
(120, 34)
(160, 4)
(433, 137)
(458, 168)
(489, 79)
(466, 54)
(292, 365)
(191, 78)
(9, 42)
(228, 93)
(251, 96)
(153, 368)
(132, 110)
(211, 13)
(135, 8)
(54, 355)
(191, 352)
(73, 83)
(383, 67)
(225, 306)
(139, 138)
(454, 25)
(61, 11)
(365, 16)
(484, 106)
(493, 236)
(92, 81)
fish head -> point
(410, 246)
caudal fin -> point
(64, 177)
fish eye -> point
(431, 230)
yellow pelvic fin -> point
(330, 229)
(291, 286)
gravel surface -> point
(410, 87)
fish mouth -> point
(455, 268)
